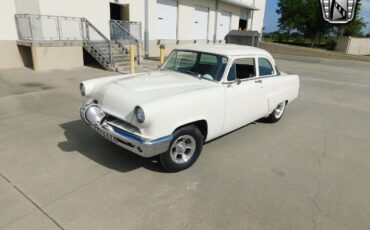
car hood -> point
(120, 96)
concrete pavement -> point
(309, 171)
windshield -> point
(199, 64)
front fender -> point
(165, 115)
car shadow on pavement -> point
(81, 138)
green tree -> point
(305, 16)
(354, 27)
(311, 23)
(288, 15)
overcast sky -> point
(271, 16)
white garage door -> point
(201, 22)
(223, 24)
(166, 19)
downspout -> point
(216, 21)
(254, 4)
(146, 30)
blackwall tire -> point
(184, 149)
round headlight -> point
(82, 89)
(94, 114)
(139, 114)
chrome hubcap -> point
(183, 149)
(279, 110)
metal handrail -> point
(117, 23)
(46, 15)
(127, 36)
(87, 38)
(32, 27)
(96, 30)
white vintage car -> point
(200, 93)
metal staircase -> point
(126, 33)
(112, 54)
(115, 58)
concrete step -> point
(121, 62)
(105, 50)
(118, 64)
(117, 57)
(114, 53)
(123, 70)
(120, 50)
(121, 57)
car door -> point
(245, 98)
(273, 85)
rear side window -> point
(265, 67)
(242, 68)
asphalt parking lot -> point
(309, 171)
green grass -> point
(326, 43)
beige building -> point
(34, 38)
(353, 45)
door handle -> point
(258, 81)
(160, 18)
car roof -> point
(225, 49)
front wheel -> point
(277, 114)
(184, 149)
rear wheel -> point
(184, 149)
(277, 114)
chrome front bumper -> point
(117, 134)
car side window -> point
(265, 67)
(242, 68)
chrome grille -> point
(122, 125)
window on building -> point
(243, 20)
(242, 24)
